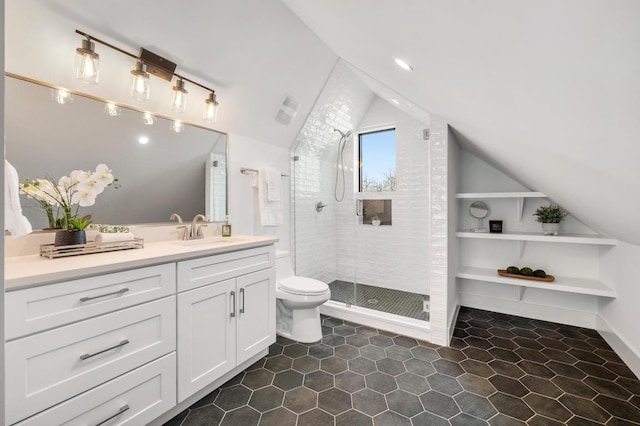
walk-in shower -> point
(370, 246)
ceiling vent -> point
(287, 110)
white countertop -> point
(34, 270)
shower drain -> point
(372, 301)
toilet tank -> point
(284, 268)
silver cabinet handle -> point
(233, 304)
(87, 298)
(359, 207)
(87, 356)
(120, 411)
(242, 300)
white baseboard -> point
(395, 323)
(629, 354)
(529, 310)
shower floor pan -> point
(411, 305)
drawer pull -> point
(242, 300)
(121, 291)
(87, 356)
(233, 304)
(120, 411)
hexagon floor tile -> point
(500, 370)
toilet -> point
(298, 301)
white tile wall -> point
(334, 244)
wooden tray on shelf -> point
(547, 279)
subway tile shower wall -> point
(334, 244)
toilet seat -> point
(303, 286)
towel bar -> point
(245, 170)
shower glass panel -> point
(370, 244)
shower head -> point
(343, 135)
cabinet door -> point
(256, 313)
(206, 335)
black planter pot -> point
(66, 238)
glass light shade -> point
(179, 97)
(111, 109)
(61, 96)
(148, 119)
(177, 126)
(87, 63)
(210, 112)
(140, 82)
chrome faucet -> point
(196, 231)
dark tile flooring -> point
(380, 299)
(500, 370)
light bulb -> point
(177, 126)
(140, 82)
(148, 119)
(210, 112)
(111, 109)
(87, 63)
(61, 96)
(179, 97)
(143, 140)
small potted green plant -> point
(550, 217)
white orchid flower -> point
(83, 198)
(103, 174)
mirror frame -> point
(140, 110)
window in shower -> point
(377, 151)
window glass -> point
(377, 161)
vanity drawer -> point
(208, 270)
(40, 308)
(135, 398)
(50, 367)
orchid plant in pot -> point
(61, 201)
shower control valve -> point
(319, 206)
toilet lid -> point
(303, 285)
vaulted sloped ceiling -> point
(548, 90)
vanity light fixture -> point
(403, 64)
(179, 97)
(111, 109)
(177, 126)
(210, 113)
(87, 62)
(61, 96)
(140, 82)
(148, 119)
(148, 63)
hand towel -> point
(274, 183)
(14, 221)
(112, 237)
(270, 211)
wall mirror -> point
(160, 171)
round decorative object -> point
(550, 228)
(66, 238)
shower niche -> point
(377, 210)
(379, 275)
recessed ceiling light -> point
(395, 101)
(403, 64)
(143, 140)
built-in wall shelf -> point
(518, 196)
(483, 195)
(536, 236)
(565, 284)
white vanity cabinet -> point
(226, 315)
(82, 348)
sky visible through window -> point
(378, 154)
